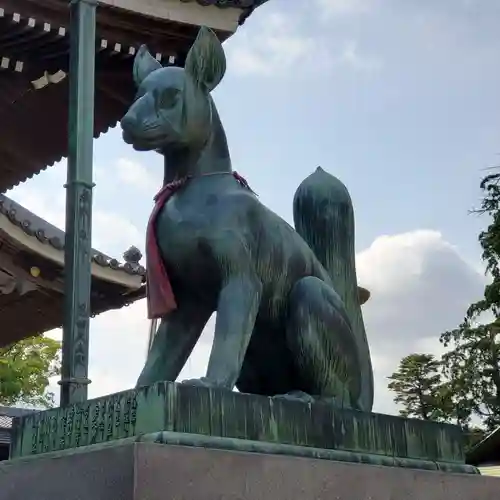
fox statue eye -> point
(167, 98)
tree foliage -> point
(464, 385)
(419, 388)
(472, 360)
(25, 370)
(490, 244)
(472, 366)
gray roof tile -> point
(49, 234)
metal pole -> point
(153, 327)
(74, 379)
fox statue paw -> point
(296, 396)
(199, 382)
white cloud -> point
(135, 174)
(284, 42)
(49, 206)
(118, 343)
(113, 233)
(118, 349)
(344, 7)
(350, 56)
(420, 288)
(276, 48)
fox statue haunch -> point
(288, 317)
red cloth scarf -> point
(160, 296)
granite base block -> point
(142, 471)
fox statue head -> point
(173, 108)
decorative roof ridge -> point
(248, 6)
(248, 9)
(46, 233)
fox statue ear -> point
(144, 64)
(206, 61)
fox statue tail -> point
(323, 215)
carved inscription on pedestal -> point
(62, 430)
(101, 435)
(133, 412)
(70, 425)
(34, 436)
(78, 426)
(53, 432)
(47, 437)
(46, 434)
(94, 426)
(126, 415)
(83, 424)
(118, 411)
(110, 419)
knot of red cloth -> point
(160, 296)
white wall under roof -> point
(183, 12)
(491, 470)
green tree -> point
(25, 370)
(472, 360)
(420, 390)
(472, 366)
(490, 244)
(464, 386)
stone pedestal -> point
(147, 471)
(170, 441)
(173, 414)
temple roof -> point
(34, 61)
(7, 415)
(32, 275)
(487, 451)
(42, 232)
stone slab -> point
(183, 409)
(139, 471)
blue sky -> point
(398, 99)
(408, 122)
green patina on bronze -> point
(77, 257)
(243, 419)
(289, 321)
(289, 326)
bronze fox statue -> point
(289, 320)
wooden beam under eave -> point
(221, 19)
(9, 264)
(8, 64)
(164, 32)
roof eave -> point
(42, 238)
(486, 450)
(218, 18)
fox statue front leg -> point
(237, 310)
(174, 341)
